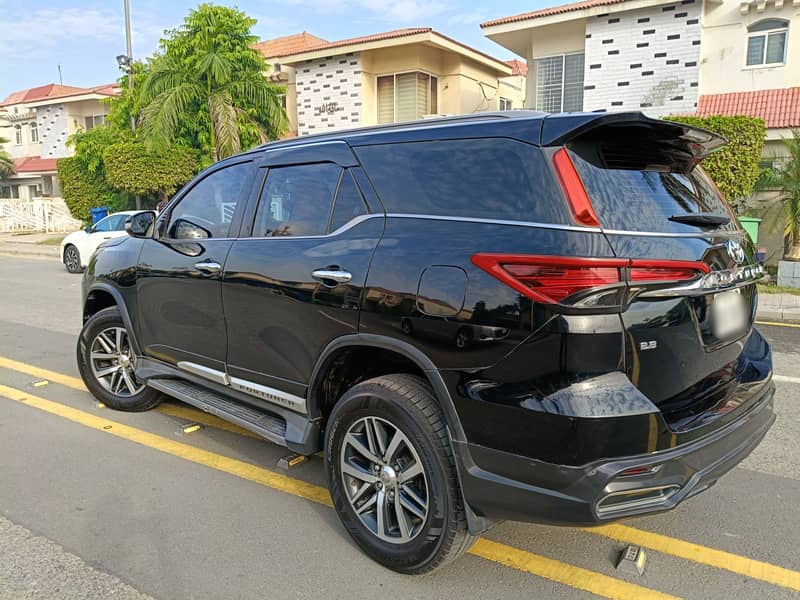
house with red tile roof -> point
(37, 122)
(386, 77)
(662, 57)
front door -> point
(180, 300)
(295, 284)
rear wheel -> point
(392, 475)
(72, 259)
(107, 364)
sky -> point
(85, 36)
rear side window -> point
(643, 200)
(487, 178)
(296, 200)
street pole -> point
(129, 49)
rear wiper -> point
(704, 219)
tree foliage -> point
(6, 162)
(208, 71)
(130, 167)
(734, 168)
(786, 178)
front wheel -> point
(392, 475)
(72, 259)
(107, 364)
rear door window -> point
(644, 200)
(296, 200)
(487, 178)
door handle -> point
(208, 266)
(331, 274)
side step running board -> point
(267, 425)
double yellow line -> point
(529, 562)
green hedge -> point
(734, 168)
(131, 168)
(81, 190)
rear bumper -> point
(500, 485)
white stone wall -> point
(53, 132)
(644, 59)
(328, 93)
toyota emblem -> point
(735, 251)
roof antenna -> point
(60, 80)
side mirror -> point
(140, 225)
(88, 229)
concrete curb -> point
(31, 250)
(777, 315)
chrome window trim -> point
(667, 234)
(496, 222)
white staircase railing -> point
(49, 215)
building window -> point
(505, 104)
(34, 191)
(18, 134)
(9, 191)
(34, 133)
(94, 121)
(559, 83)
(407, 96)
(766, 42)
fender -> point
(123, 309)
(475, 523)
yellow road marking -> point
(548, 568)
(754, 569)
(776, 324)
(173, 410)
(700, 554)
(576, 577)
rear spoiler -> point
(631, 140)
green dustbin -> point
(750, 225)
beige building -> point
(38, 122)
(388, 77)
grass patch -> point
(51, 241)
(776, 289)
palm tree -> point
(6, 162)
(209, 73)
(786, 178)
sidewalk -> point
(778, 307)
(27, 244)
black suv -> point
(497, 316)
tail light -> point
(578, 199)
(583, 282)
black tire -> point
(109, 319)
(406, 402)
(72, 259)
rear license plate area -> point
(729, 315)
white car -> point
(77, 248)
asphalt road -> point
(100, 504)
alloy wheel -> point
(111, 360)
(384, 480)
(71, 259)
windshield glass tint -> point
(645, 200)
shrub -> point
(82, 190)
(734, 168)
(131, 168)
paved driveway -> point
(100, 504)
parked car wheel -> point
(107, 366)
(392, 475)
(72, 259)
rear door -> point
(295, 283)
(690, 344)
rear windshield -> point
(642, 200)
(487, 178)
